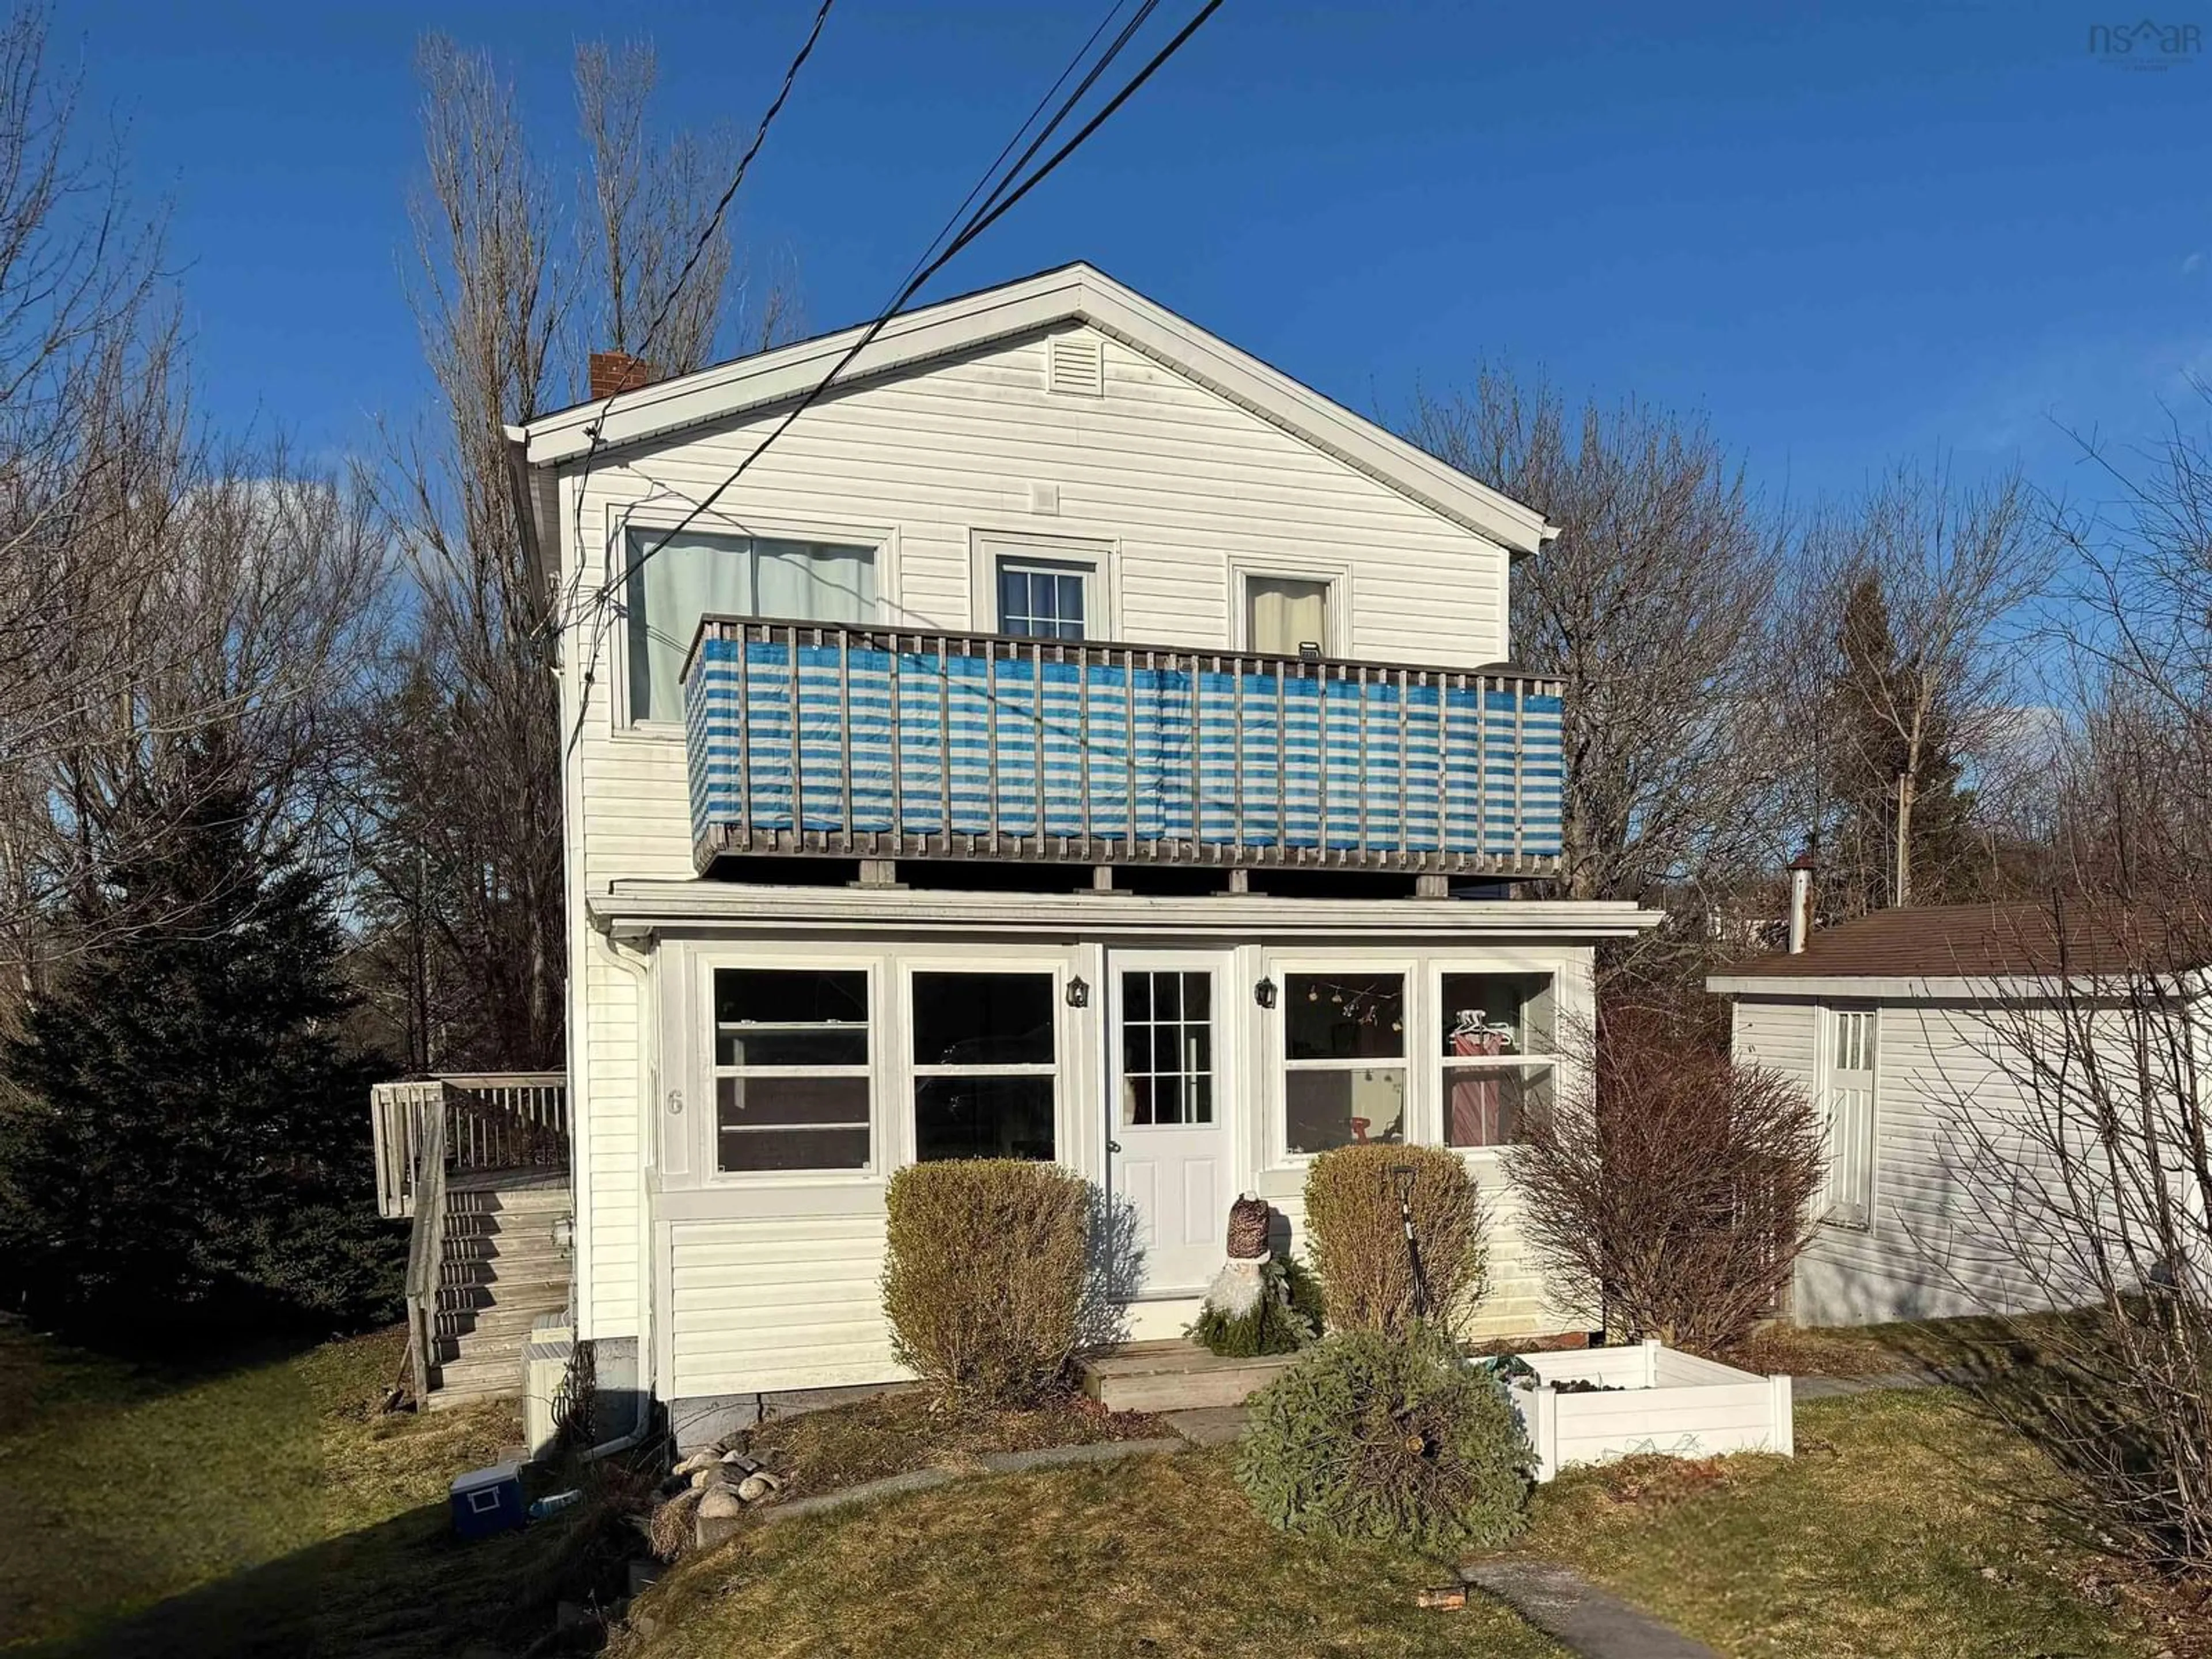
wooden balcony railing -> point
(464, 1122)
(807, 738)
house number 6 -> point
(675, 1103)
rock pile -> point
(718, 1484)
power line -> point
(699, 247)
(974, 228)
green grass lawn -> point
(1907, 1524)
(253, 1507)
(1155, 1559)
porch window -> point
(696, 575)
(984, 1065)
(1499, 1035)
(1344, 1060)
(791, 1069)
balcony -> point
(810, 738)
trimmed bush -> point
(1388, 1438)
(1358, 1239)
(983, 1278)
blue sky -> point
(1872, 233)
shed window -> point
(1498, 1039)
(1344, 1060)
(984, 1065)
(791, 1069)
(696, 575)
(1848, 1049)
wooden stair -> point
(1176, 1375)
(501, 1272)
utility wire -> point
(699, 247)
(974, 228)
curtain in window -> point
(1287, 614)
(695, 576)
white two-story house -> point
(1072, 738)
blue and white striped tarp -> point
(920, 744)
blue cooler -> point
(486, 1501)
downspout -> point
(639, 966)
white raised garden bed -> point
(1652, 1399)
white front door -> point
(1167, 1133)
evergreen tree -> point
(184, 1124)
(1885, 728)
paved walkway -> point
(1557, 1601)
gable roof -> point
(1073, 293)
(2031, 940)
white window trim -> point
(623, 519)
(1823, 1033)
(1550, 1060)
(1099, 561)
(1227, 1021)
(705, 964)
(1276, 1065)
(1336, 607)
(1066, 1100)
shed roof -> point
(2027, 940)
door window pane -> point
(1344, 1016)
(692, 575)
(982, 1019)
(1043, 600)
(983, 1117)
(1342, 1106)
(1167, 1049)
(1283, 614)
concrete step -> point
(1176, 1375)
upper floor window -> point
(1044, 598)
(1282, 613)
(698, 575)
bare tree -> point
(464, 854)
(1670, 1193)
(1653, 606)
(2088, 1154)
(1902, 687)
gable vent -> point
(1075, 365)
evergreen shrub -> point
(1388, 1438)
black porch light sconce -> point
(1264, 994)
(1078, 993)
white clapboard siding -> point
(1184, 487)
(1928, 1249)
(757, 1306)
(610, 1176)
(1515, 1303)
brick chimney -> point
(617, 371)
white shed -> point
(1952, 1051)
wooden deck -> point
(1176, 1375)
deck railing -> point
(481, 1120)
(808, 738)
